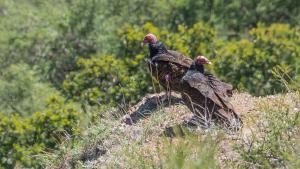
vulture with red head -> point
(207, 97)
(203, 93)
(168, 66)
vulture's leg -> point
(168, 89)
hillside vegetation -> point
(159, 139)
(69, 70)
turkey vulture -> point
(167, 66)
(207, 97)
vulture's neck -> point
(157, 48)
(198, 67)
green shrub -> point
(22, 138)
(248, 63)
(21, 90)
(104, 80)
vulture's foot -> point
(167, 97)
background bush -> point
(21, 90)
(248, 63)
(104, 80)
(22, 138)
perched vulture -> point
(203, 93)
(207, 97)
(167, 66)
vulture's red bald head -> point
(150, 38)
(202, 60)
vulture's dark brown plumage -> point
(208, 98)
(168, 66)
(203, 93)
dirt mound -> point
(144, 127)
(243, 104)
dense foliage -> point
(248, 63)
(105, 80)
(21, 91)
(89, 50)
(22, 138)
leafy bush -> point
(49, 35)
(248, 63)
(103, 80)
(21, 90)
(27, 29)
(22, 138)
(75, 38)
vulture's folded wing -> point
(200, 82)
(183, 59)
(223, 89)
(174, 57)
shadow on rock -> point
(150, 104)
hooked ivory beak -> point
(202, 60)
(143, 44)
